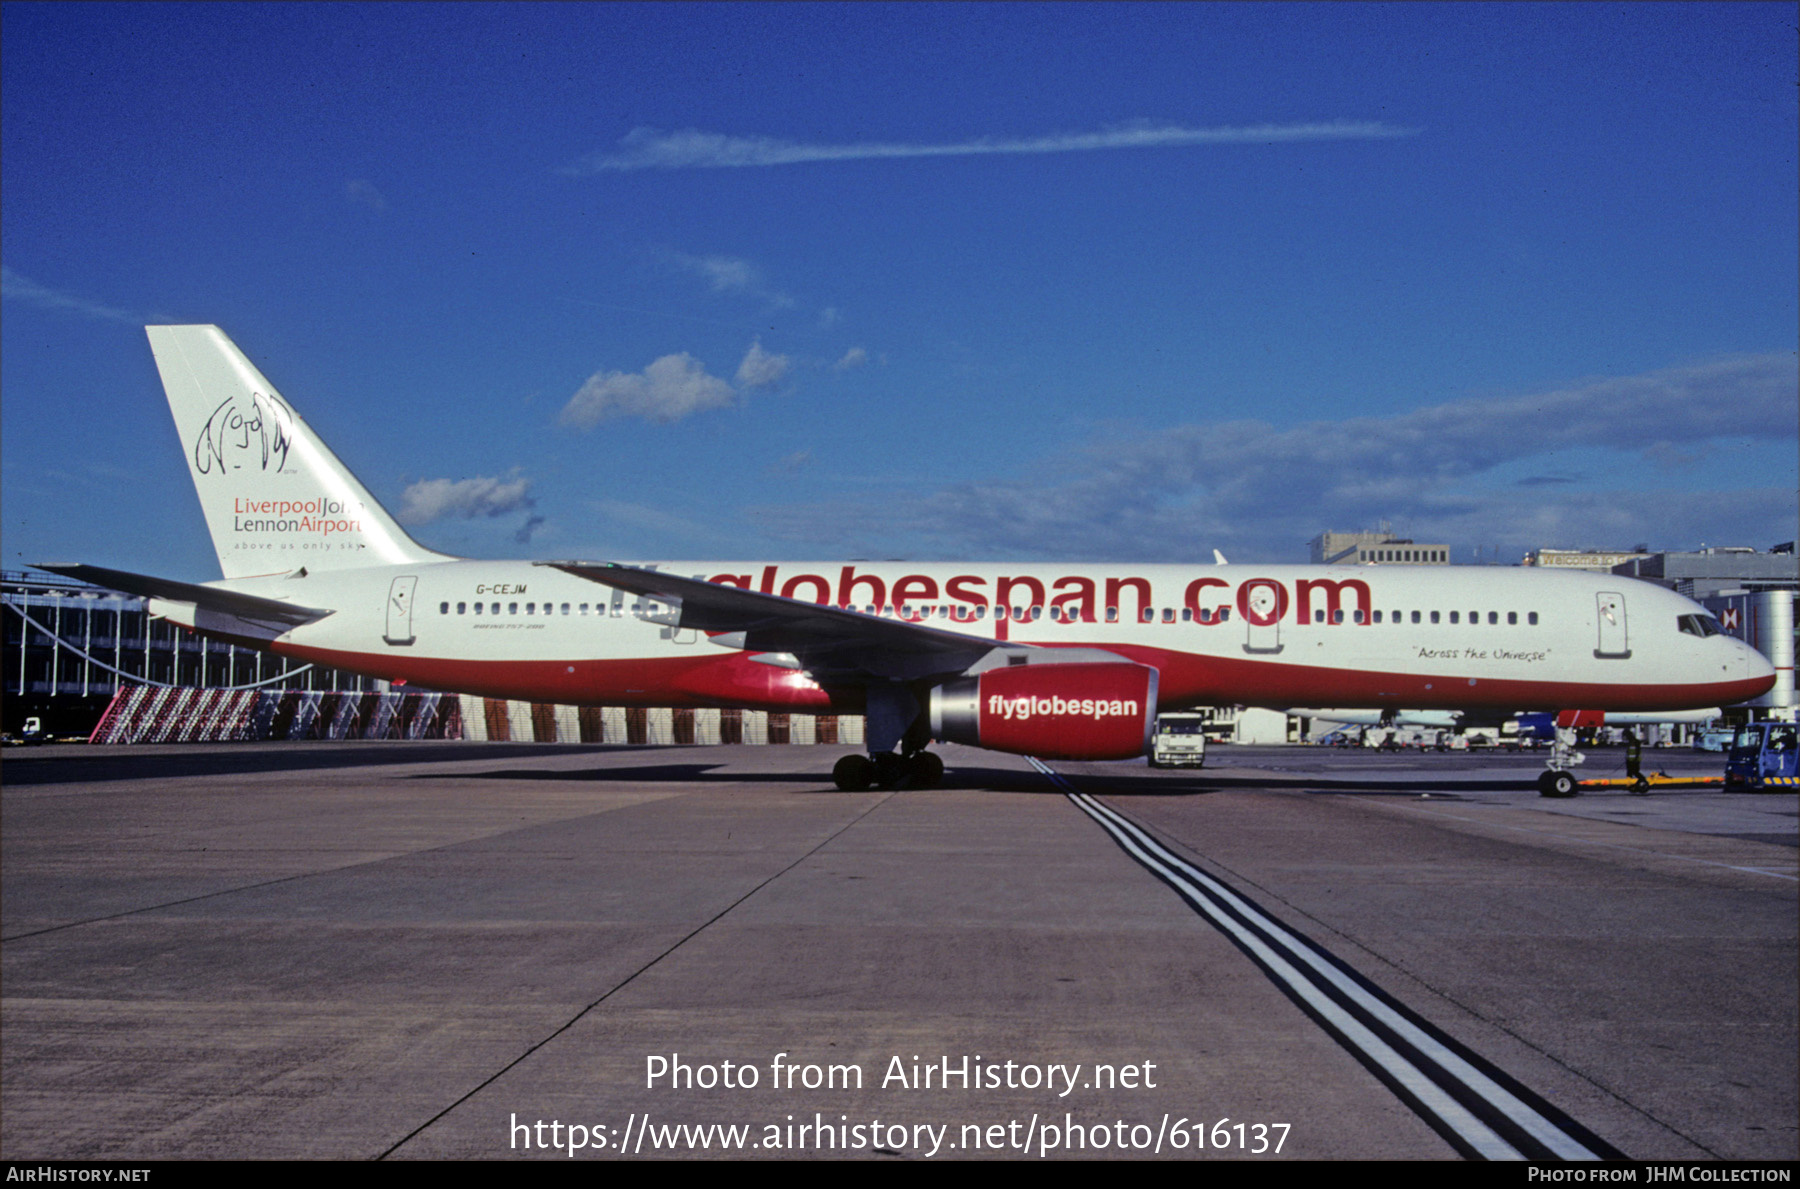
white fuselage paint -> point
(1259, 630)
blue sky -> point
(1104, 282)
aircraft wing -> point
(828, 641)
(207, 598)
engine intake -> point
(1102, 711)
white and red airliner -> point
(1056, 659)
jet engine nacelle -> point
(1100, 711)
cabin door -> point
(399, 611)
(1610, 613)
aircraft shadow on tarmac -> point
(82, 765)
(958, 777)
(961, 777)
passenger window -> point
(511, 608)
(1434, 617)
(531, 608)
(1453, 616)
(462, 608)
(1357, 615)
(1147, 614)
(1377, 616)
(1494, 617)
(443, 608)
(1531, 618)
(1337, 616)
(1187, 615)
(1512, 618)
(1318, 617)
(1112, 615)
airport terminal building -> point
(93, 663)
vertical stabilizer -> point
(275, 497)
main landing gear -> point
(920, 770)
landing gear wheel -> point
(927, 770)
(890, 770)
(853, 773)
(1557, 784)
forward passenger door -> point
(1615, 643)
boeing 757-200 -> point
(1058, 660)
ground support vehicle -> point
(1763, 759)
(1179, 741)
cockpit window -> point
(1700, 625)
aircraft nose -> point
(1757, 667)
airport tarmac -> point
(427, 950)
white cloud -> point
(762, 369)
(650, 148)
(464, 499)
(853, 358)
(732, 274)
(17, 288)
(364, 193)
(1262, 491)
(728, 274)
(671, 388)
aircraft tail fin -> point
(275, 496)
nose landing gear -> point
(1557, 781)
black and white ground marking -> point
(1480, 1110)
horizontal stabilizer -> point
(208, 598)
